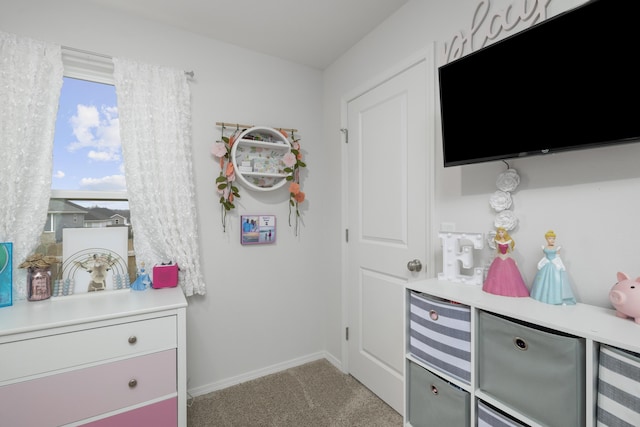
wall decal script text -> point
(485, 28)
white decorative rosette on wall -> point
(501, 202)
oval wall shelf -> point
(257, 158)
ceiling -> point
(309, 32)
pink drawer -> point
(83, 393)
(160, 414)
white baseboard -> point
(219, 385)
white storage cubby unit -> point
(112, 359)
(257, 158)
(530, 363)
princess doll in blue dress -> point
(503, 277)
(551, 284)
(143, 281)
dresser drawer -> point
(73, 396)
(160, 414)
(64, 350)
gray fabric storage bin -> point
(491, 417)
(440, 335)
(618, 387)
(434, 402)
(537, 372)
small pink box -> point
(165, 276)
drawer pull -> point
(434, 389)
(133, 339)
(433, 315)
(133, 383)
(520, 344)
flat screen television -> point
(569, 82)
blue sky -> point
(87, 154)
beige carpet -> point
(312, 395)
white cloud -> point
(83, 123)
(107, 183)
(98, 131)
(58, 174)
(103, 156)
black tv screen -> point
(569, 82)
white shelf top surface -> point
(583, 320)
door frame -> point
(427, 55)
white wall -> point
(590, 198)
(265, 305)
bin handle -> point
(520, 344)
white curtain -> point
(30, 84)
(154, 106)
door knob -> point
(414, 265)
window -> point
(88, 187)
(87, 153)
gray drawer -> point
(537, 372)
(434, 401)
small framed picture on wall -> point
(258, 229)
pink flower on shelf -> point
(295, 145)
(294, 188)
(219, 149)
(299, 196)
(289, 159)
(229, 173)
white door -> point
(389, 170)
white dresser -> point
(111, 359)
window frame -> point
(97, 68)
(93, 67)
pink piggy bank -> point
(625, 297)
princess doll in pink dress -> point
(504, 277)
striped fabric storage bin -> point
(440, 335)
(618, 388)
(490, 417)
